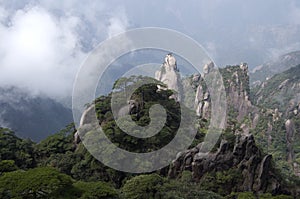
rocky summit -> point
(168, 74)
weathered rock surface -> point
(238, 91)
(257, 172)
(236, 81)
(202, 98)
(87, 119)
(290, 131)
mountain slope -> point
(279, 122)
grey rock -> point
(168, 74)
(208, 67)
(257, 172)
(290, 131)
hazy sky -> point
(43, 43)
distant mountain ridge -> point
(265, 71)
(32, 117)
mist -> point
(42, 46)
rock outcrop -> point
(236, 81)
(237, 88)
(202, 98)
(202, 102)
(257, 173)
(290, 131)
(169, 75)
(87, 119)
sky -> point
(43, 43)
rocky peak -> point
(236, 81)
(244, 66)
(239, 106)
(170, 62)
(208, 67)
(169, 75)
(202, 98)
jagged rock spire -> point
(168, 74)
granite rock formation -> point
(169, 75)
(255, 168)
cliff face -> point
(202, 98)
(235, 78)
(236, 81)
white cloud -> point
(42, 44)
(39, 52)
(3, 14)
(117, 24)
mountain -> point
(267, 70)
(237, 162)
(254, 157)
(32, 117)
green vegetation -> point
(7, 166)
(221, 182)
(277, 99)
(230, 74)
(277, 91)
(155, 186)
(14, 148)
(35, 183)
(250, 195)
(143, 186)
(91, 190)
